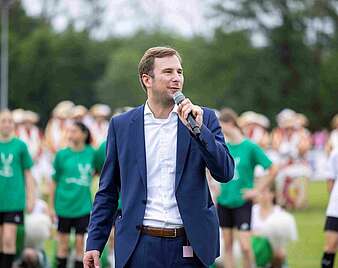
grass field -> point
(307, 251)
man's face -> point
(166, 81)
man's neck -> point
(159, 110)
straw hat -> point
(263, 121)
(287, 118)
(98, 110)
(18, 115)
(63, 109)
(78, 111)
(30, 116)
(251, 117)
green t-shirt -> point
(247, 155)
(100, 155)
(100, 158)
(14, 160)
(73, 175)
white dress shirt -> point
(160, 144)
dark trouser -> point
(159, 252)
(6, 260)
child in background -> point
(16, 184)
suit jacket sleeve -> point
(106, 199)
(214, 151)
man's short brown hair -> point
(146, 64)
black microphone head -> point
(178, 97)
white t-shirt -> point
(332, 209)
(257, 222)
(279, 227)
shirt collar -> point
(147, 110)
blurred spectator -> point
(320, 138)
(37, 231)
(32, 136)
(234, 203)
(291, 142)
(290, 139)
(55, 132)
(255, 127)
(99, 127)
(318, 156)
(333, 139)
(270, 221)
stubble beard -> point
(165, 99)
(168, 102)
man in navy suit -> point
(159, 167)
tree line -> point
(224, 69)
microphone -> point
(178, 98)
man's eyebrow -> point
(170, 69)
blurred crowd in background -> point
(299, 154)
(290, 144)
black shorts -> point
(15, 217)
(235, 217)
(331, 224)
(79, 224)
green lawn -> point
(307, 251)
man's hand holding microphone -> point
(191, 115)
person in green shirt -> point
(70, 196)
(16, 185)
(235, 198)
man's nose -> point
(176, 77)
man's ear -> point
(147, 80)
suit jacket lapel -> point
(137, 138)
(183, 143)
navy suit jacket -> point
(125, 171)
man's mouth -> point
(173, 90)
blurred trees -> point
(46, 67)
(296, 68)
(301, 36)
